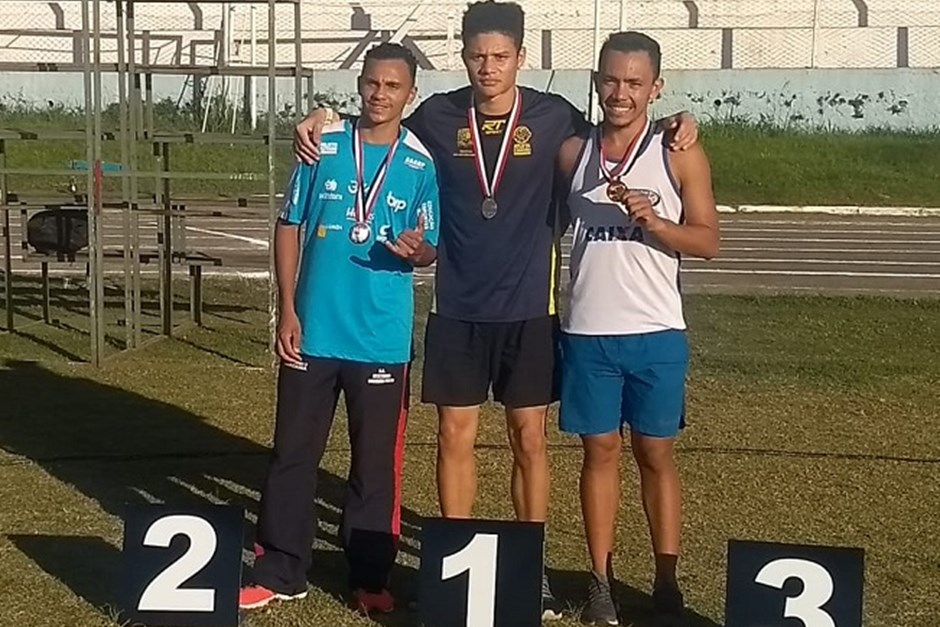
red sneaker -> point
(254, 597)
(368, 602)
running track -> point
(770, 253)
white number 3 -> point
(164, 593)
(817, 589)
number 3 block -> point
(182, 566)
(780, 585)
(481, 573)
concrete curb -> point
(847, 210)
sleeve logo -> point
(415, 164)
(522, 142)
(464, 143)
(427, 210)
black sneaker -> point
(669, 607)
(600, 609)
(551, 607)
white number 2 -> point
(817, 589)
(164, 593)
(479, 558)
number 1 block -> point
(481, 573)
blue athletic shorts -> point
(611, 380)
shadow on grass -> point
(636, 607)
(88, 565)
(71, 295)
(68, 308)
(120, 448)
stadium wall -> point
(811, 98)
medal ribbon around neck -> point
(629, 157)
(365, 206)
(489, 188)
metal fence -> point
(560, 34)
(111, 44)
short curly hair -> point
(506, 18)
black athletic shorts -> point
(464, 360)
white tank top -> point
(623, 281)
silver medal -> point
(489, 208)
(360, 233)
(488, 185)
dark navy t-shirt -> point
(502, 269)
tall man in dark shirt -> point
(493, 325)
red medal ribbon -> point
(364, 207)
(629, 157)
(489, 189)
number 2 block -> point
(182, 566)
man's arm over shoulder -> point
(568, 154)
(699, 233)
(565, 163)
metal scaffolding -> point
(136, 125)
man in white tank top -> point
(635, 207)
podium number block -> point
(783, 585)
(182, 566)
(481, 573)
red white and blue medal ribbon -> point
(488, 185)
(615, 187)
(365, 203)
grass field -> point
(812, 420)
(751, 164)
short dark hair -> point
(632, 41)
(506, 18)
(391, 52)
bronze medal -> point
(617, 191)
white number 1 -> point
(817, 589)
(479, 558)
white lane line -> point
(832, 241)
(892, 251)
(846, 210)
(234, 227)
(802, 288)
(262, 243)
(856, 262)
(809, 222)
(883, 275)
(821, 273)
(831, 231)
(837, 262)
